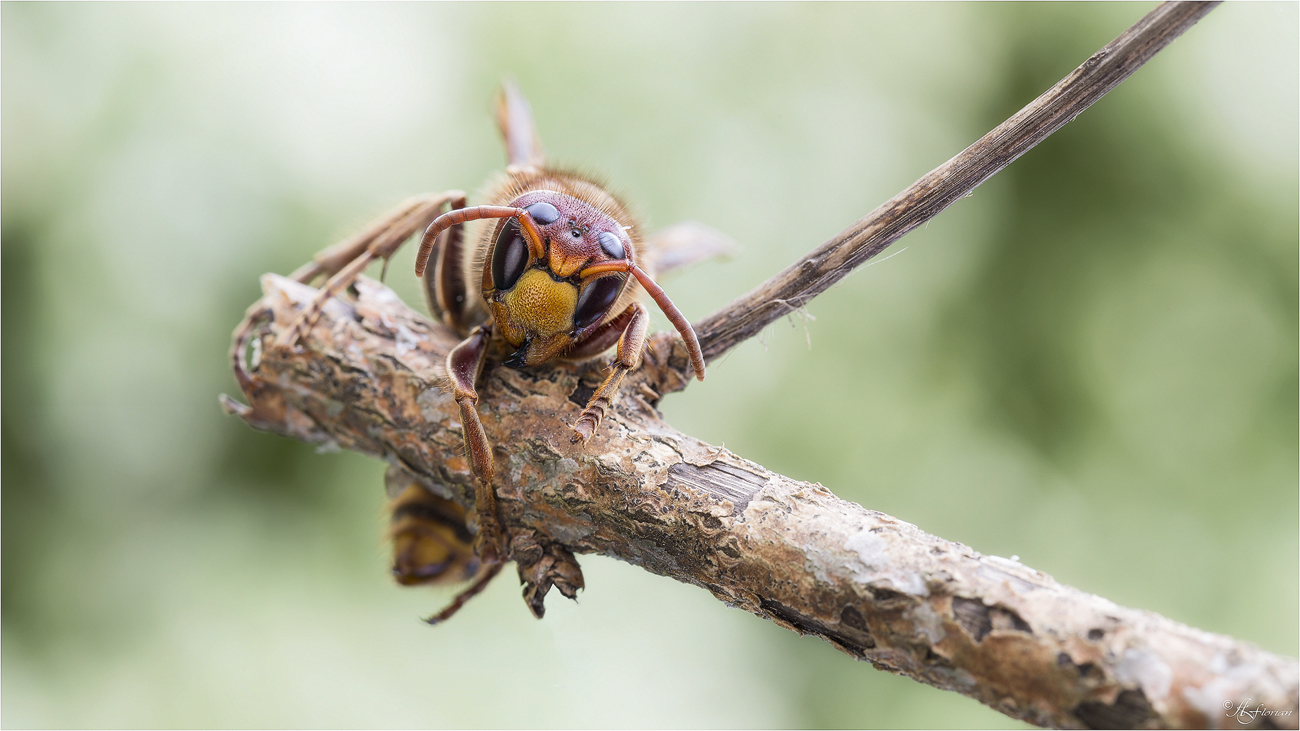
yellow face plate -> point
(541, 304)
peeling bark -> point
(369, 377)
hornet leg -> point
(630, 345)
(345, 261)
(464, 363)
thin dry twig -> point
(790, 289)
(368, 377)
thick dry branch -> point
(792, 288)
(368, 377)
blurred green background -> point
(1091, 363)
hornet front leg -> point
(464, 364)
(633, 324)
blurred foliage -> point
(1091, 363)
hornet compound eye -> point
(510, 257)
(595, 300)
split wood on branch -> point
(369, 377)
